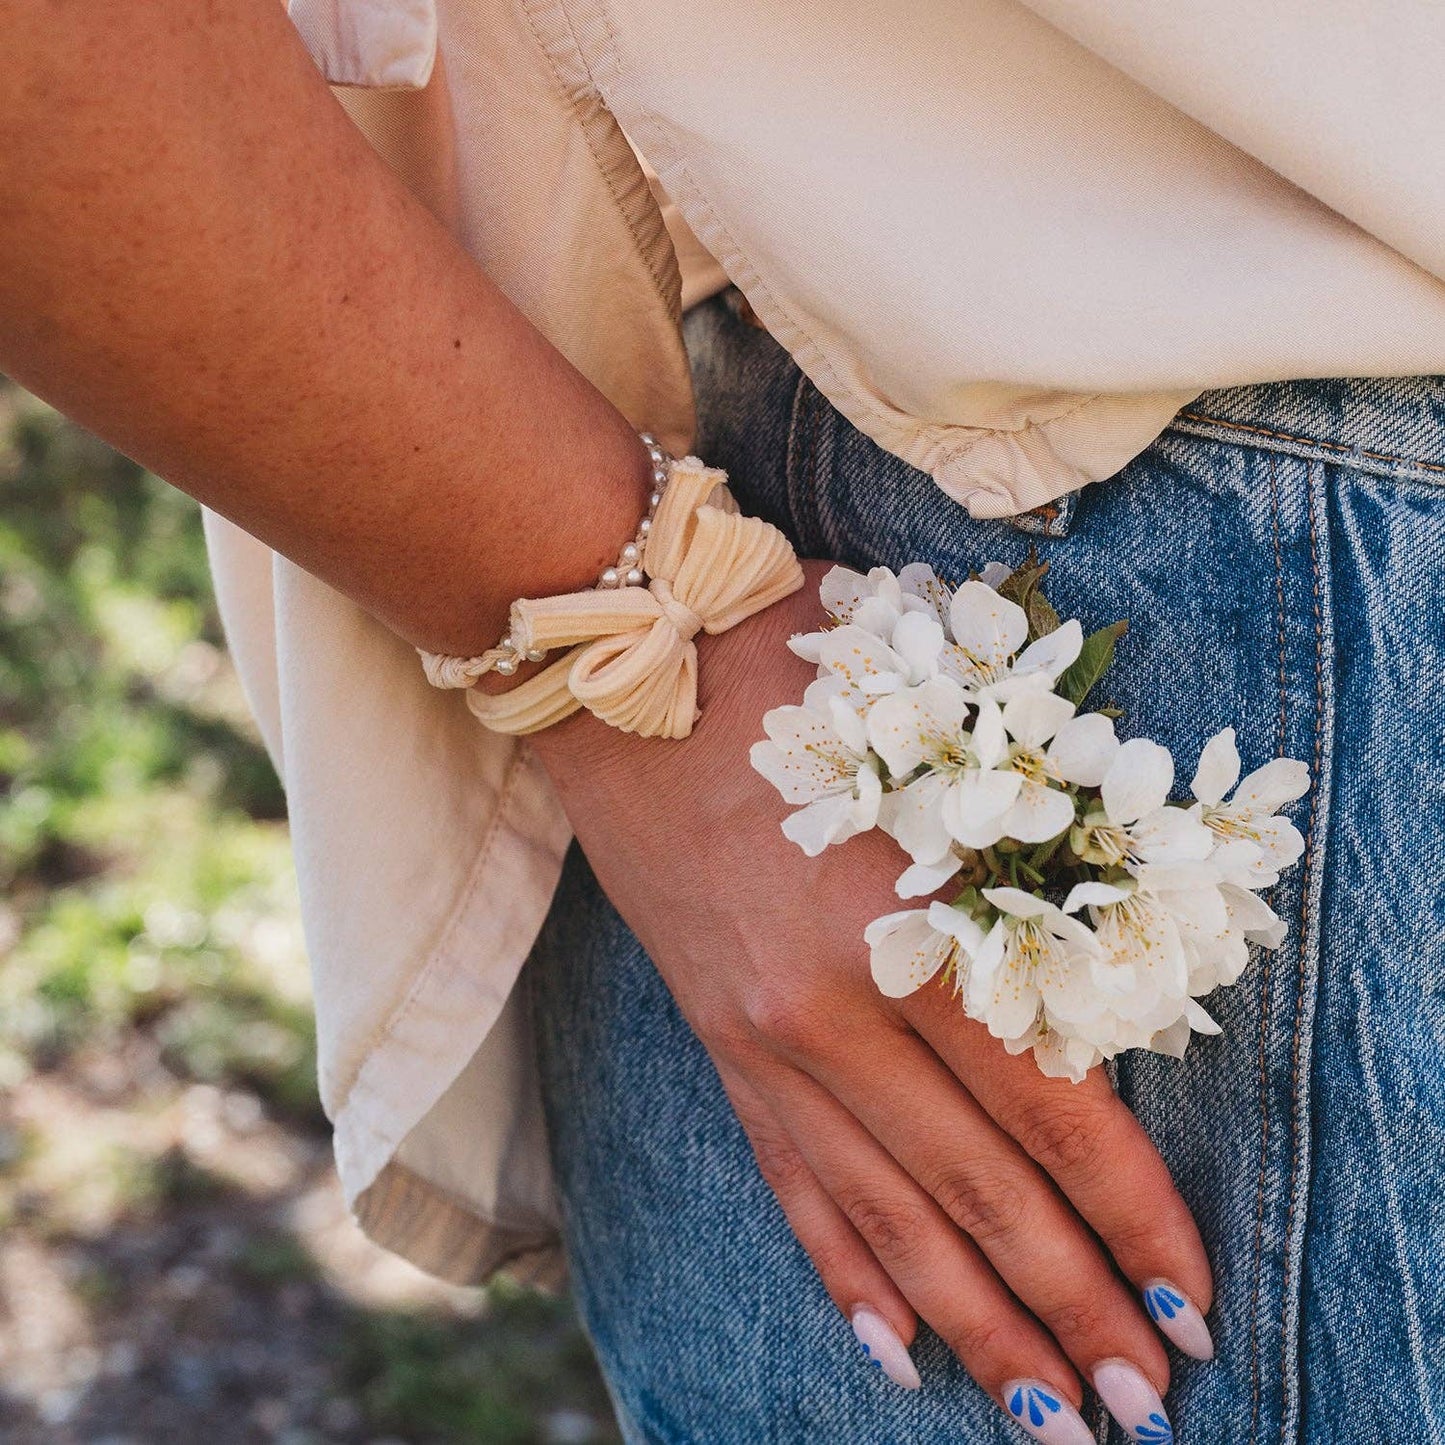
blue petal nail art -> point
(1157, 1429)
(1162, 1303)
(1030, 1398)
(874, 1358)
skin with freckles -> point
(325, 366)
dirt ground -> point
(177, 1266)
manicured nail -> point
(1133, 1402)
(1177, 1316)
(1045, 1414)
(881, 1345)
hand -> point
(922, 1167)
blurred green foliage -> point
(140, 885)
(148, 911)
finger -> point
(990, 1188)
(1091, 1144)
(882, 1319)
(940, 1270)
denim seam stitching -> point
(1265, 1007)
(1339, 451)
(1310, 904)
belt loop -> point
(1053, 519)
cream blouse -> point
(1008, 240)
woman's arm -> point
(203, 261)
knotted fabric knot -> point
(682, 617)
(632, 659)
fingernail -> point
(1133, 1401)
(1177, 1316)
(1045, 1414)
(881, 1345)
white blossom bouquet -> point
(1093, 912)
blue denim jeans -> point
(1280, 551)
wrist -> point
(748, 666)
(584, 532)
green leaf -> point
(1042, 617)
(1023, 587)
(1023, 579)
(1092, 663)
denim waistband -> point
(1390, 425)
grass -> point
(160, 1135)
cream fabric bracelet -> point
(630, 658)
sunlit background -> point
(175, 1260)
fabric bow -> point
(633, 661)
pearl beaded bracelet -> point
(696, 564)
(628, 571)
(505, 657)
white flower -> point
(910, 947)
(1058, 1055)
(1035, 957)
(1135, 826)
(1140, 973)
(1042, 744)
(920, 879)
(1254, 843)
(1174, 1039)
(987, 632)
(923, 726)
(818, 755)
(874, 602)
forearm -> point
(204, 262)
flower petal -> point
(1061, 1057)
(1097, 895)
(1038, 814)
(911, 725)
(1199, 1020)
(1138, 780)
(1172, 1040)
(989, 740)
(867, 663)
(919, 580)
(1218, 769)
(1054, 652)
(906, 951)
(842, 590)
(849, 726)
(829, 820)
(982, 970)
(807, 645)
(1017, 903)
(1272, 787)
(957, 924)
(918, 640)
(914, 819)
(1172, 835)
(1083, 749)
(975, 806)
(990, 628)
(1032, 718)
(918, 880)
(803, 758)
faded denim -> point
(1280, 551)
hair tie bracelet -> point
(696, 565)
